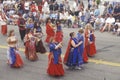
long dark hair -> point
(10, 32)
(71, 34)
(47, 20)
(58, 22)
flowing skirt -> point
(55, 69)
(92, 49)
(69, 62)
(74, 58)
(40, 47)
(80, 56)
(14, 59)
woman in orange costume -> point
(92, 43)
(55, 67)
(49, 30)
(14, 59)
(87, 46)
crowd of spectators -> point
(75, 15)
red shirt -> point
(33, 8)
(49, 30)
(21, 21)
(40, 8)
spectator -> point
(40, 7)
(89, 4)
(110, 9)
(94, 4)
(62, 5)
(51, 7)
(87, 16)
(99, 22)
(34, 8)
(96, 12)
(46, 8)
(92, 19)
(67, 6)
(27, 6)
(116, 28)
(105, 9)
(56, 6)
(42, 18)
(82, 17)
(1, 5)
(69, 19)
(92, 11)
(116, 12)
(22, 28)
(81, 6)
(109, 22)
(52, 16)
(62, 16)
(20, 7)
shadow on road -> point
(104, 49)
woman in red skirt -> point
(49, 30)
(30, 50)
(92, 43)
(55, 67)
(14, 59)
(59, 33)
(86, 44)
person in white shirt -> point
(12, 2)
(1, 5)
(46, 15)
(69, 20)
(62, 16)
(69, 17)
(27, 6)
(108, 23)
(116, 28)
(74, 4)
(99, 22)
(4, 2)
(45, 8)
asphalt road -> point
(104, 66)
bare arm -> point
(59, 45)
(76, 45)
(8, 40)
